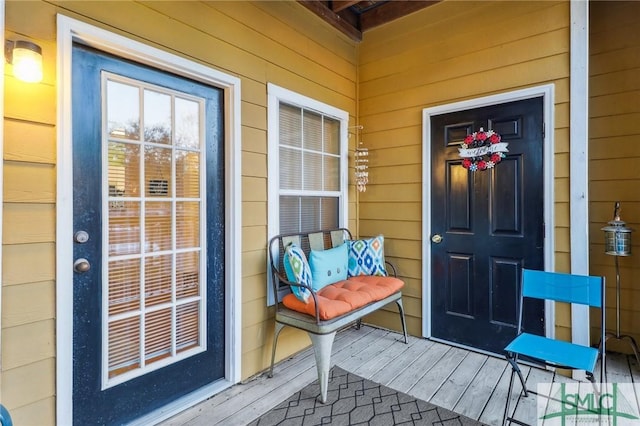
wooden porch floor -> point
(466, 382)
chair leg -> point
(276, 333)
(322, 344)
(505, 416)
(404, 323)
(515, 368)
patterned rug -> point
(353, 400)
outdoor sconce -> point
(26, 58)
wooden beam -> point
(391, 10)
(337, 6)
(332, 18)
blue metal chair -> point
(5, 417)
(559, 287)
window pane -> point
(124, 169)
(124, 286)
(331, 173)
(123, 111)
(187, 224)
(329, 213)
(157, 168)
(157, 280)
(187, 326)
(157, 227)
(310, 214)
(289, 214)
(290, 168)
(312, 172)
(124, 228)
(187, 174)
(187, 124)
(157, 344)
(312, 131)
(187, 274)
(331, 136)
(157, 117)
(124, 346)
(290, 125)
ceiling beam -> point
(320, 9)
(391, 10)
(337, 5)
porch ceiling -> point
(353, 17)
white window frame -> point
(143, 198)
(276, 95)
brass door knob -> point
(81, 265)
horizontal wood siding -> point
(445, 53)
(259, 42)
(614, 150)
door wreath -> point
(482, 150)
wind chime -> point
(361, 163)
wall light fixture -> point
(26, 58)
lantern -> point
(617, 242)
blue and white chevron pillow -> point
(298, 271)
(366, 257)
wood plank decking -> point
(466, 382)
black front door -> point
(148, 206)
(486, 226)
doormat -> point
(353, 400)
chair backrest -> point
(570, 288)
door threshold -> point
(182, 404)
(465, 347)
(488, 353)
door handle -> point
(81, 265)
(436, 239)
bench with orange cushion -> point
(334, 306)
(346, 296)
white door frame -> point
(70, 31)
(547, 93)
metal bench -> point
(322, 332)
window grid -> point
(303, 138)
(161, 328)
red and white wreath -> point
(482, 150)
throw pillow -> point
(328, 266)
(366, 257)
(297, 269)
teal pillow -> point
(328, 266)
(297, 269)
(366, 257)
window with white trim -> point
(307, 164)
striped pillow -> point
(298, 271)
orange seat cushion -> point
(345, 296)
